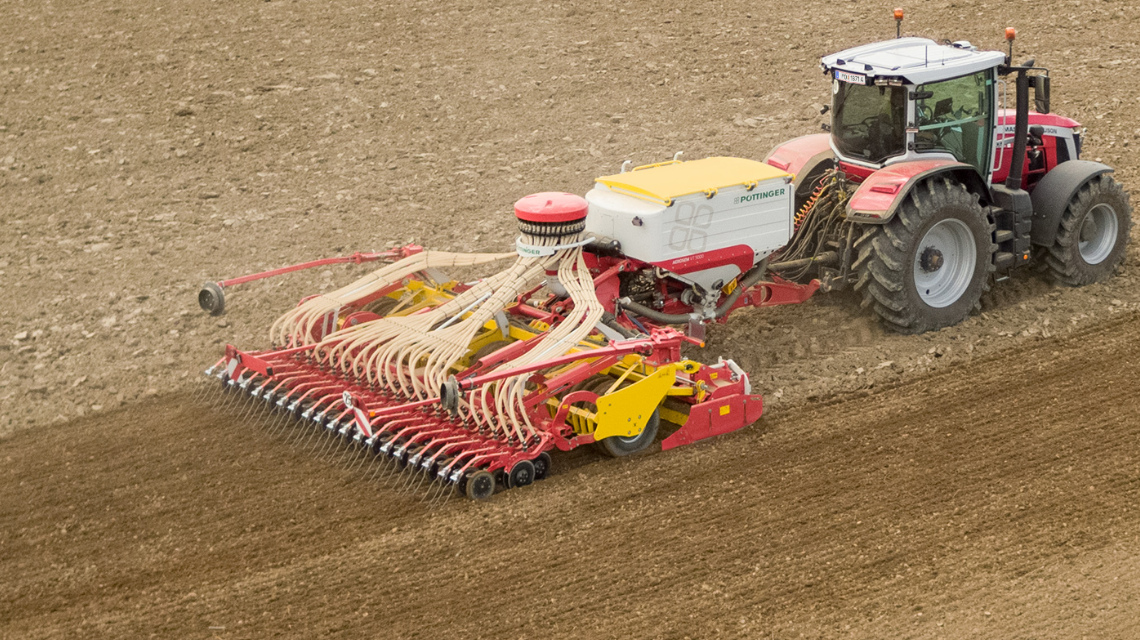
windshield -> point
(870, 121)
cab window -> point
(954, 116)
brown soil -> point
(977, 481)
(999, 500)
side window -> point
(955, 118)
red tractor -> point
(926, 190)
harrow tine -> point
(379, 467)
(388, 471)
(328, 440)
(448, 495)
(200, 391)
(431, 493)
(358, 454)
(279, 421)
(393, 480)
(440, 498)
(300, 434)
(424, 475)
(362, 456)
(351, 451)
(408, 480)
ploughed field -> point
(981, 481)
(996, 500)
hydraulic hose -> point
(754, 275)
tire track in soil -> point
(995, 500)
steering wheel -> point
(862, 129)
(925, 113)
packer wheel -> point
(522, 474)
(480, 485)
(542, 466)
(619, 447)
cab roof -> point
(912, 60)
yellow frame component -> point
(625, 413)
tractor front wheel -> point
(928, 267)
(1093, 234)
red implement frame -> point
(356, 258)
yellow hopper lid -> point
(668, 181)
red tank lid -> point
(551, 207)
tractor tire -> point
(1093, 234)
(928, 267)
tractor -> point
(926, 190)
(923, 193)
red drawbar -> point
(551, 207)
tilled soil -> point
(146, 148)
(1000, 500)
(980, 481)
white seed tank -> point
(704, 221)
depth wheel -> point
(928, 267)
(542, 466)
(480, 485)
(1093, 235)
(522, 474)
(212, 299)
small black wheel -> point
(480, 485)
(619, 447)
(522, 474)
(212, 299)
(542, 466)
(1093, 235)
(928, 267)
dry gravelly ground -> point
(148, 147)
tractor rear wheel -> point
(1093, 235)
(928, 267)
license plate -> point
(852, 78)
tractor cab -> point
(913, 99)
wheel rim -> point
(944, 263)
(1098, 234)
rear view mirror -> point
(1040, 86)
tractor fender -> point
(879, 196)
(800, 156)
(1053, 192)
